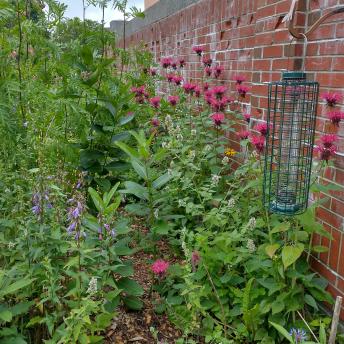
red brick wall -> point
(247, 37)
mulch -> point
(134, 327)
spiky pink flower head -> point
(170, 77)
(331, 98)
(138, 91)
(166, 62)
(181, 62)
(335, 117)
(219, 91)
(258, 142)
(328, 140)
(218, 104)
(195, 259)
(239, 79)
(173, 100)
(189, 88)
(244, 134)
(325, 153)
(155, 122)
(159, 267)
(153, 72)
(174, 65)
(262, 128)
(218, 118)
(197, 91)
(218, 71)
(247, 117)
(155, 101)
(177, 79)
(206, 87)
(208, 71)
(242, 90)
(198, 50)
(207, 61)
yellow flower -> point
(230, 152)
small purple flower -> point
(36, 209)
(71, 227)
(299, 335)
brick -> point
(273, 51)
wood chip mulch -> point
(134, 327)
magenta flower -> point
(174, 65)
(195, 259)
(181, 62)
(197, 91)
(328, 140)
(331, 98)
(153, 71)
(166, 62)
(159, 267)
(262, 128)
(244, 134)
(247, 117)
(177, 79)
(218, 118)
(206, 87)
(155, 101)
(173, 100)
(189, 88)
(325, 153)
(208, 71)
(239, 79)
(198, 50)
(155, 122)
(170, 77)
(218, 104)
(219, 91)
(207, 61)
(218, 71)
(335, 117)
(138, 91)
(242, 90)
(258, 142)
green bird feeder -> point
(291, 121)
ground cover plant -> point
(96, 139)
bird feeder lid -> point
(294, 76)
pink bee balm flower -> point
(174, 65)
(166, 62)
(218, 71)
(219, 91)
(239, 79)
(262, 128)
(173, 100)
(218, 104)
(244, 134)
(331, 98)
(218, 118)
(189, 88)
(181, 63)
(325, 153)
(208, 71)
(247, 117)
(159, 267)
(153, 71)
(198, 50)
(328, 140)
(206, 87)
(155, 101)
(197, 91)
(242, 90)
(170, 77)
(155, 122)
(177, 79)
(258, 142)
(335, 117)
(207, 61)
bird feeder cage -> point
(292, 106)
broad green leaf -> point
(133, 303)
(319, 249)
(140, 169)
(130, 287)
(282, 227)
(309, 299)
(5, 315)
(283, 332)
(108, 196)
(271, 249)
(290, 254)
(111, 209)
(132, 153)
(162, 180)
(135, 189)
(98, 202)
(161, 228)
(126, 119)
(15, 286)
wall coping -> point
(155, 13)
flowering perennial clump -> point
(159, 267)
(331, 98)
(218, 118)
(335, 117)
(198, 50)
(258, 142)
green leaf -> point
(98, 202)
(130, 287)
(290, 254)
(271, 249)
(132, 153)
(137, 209)
(135, 189)
(111, 209)
(277, 306)
(108, 196)
(133, 303)
(282, 227)
(15, 286)
(322, 334)
(283, 332)
(126, 119)
(319, 249)
(161, 228)
(309, 299)
(139, 169)
(6, 315)
(120, 137)
(162, 180)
